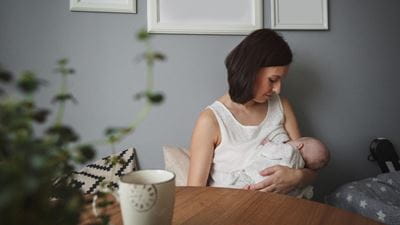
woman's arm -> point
(204, 140)
(282, 179)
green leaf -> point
(40, 116)
(28, 83)
(65, 71)
(5, 76)
(29, 104)
(155, 98)
(114, 160)
(159, 56)
(63, 98)
(62, 69)
(143, 35)
(112, 138)
(152, 56)
(85, 153)
(110, 131)
(62, 62)
(64, 134)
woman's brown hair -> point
(261, 48)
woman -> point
(230, 129)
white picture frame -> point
(299, 15)
(235, 17)
(117, 6)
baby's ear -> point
(300, 146)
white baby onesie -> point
(265, 156)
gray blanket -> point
(377, 198)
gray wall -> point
(342, 84)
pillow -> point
(177, 160)
(90, 177)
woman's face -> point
(268, 82)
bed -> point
(377, 197)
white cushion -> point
(176, 159)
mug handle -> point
(104, 190)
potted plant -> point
(36, 169)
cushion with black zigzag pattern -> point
(91, 176)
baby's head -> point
(314, 152)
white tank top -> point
(238, 141)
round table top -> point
(223, 206)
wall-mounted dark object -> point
(383, 152)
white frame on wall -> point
(156, 25)
(320, 23)
(112, 6)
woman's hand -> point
(281, 179)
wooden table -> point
(220, 206)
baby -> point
(303, 152)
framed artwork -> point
(299, 15)
(120, 6)
(204, 16)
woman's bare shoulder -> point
(290, 123)
(285, 101)
(207, 118)
(206, 128)
(287, 107)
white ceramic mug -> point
(147, 197)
